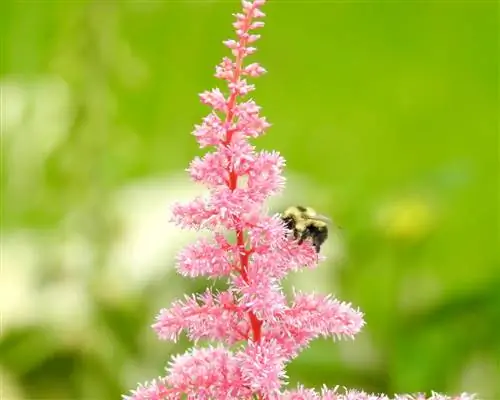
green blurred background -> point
(387, 114)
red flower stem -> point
(255, 323)
(244, 255)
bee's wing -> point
(323, 218)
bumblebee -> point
(305, 223)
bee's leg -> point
(290, 226)
(303, 236)
(317, 243)
(288, 223)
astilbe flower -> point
(255, 330)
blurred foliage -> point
(387, 114)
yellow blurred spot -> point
(411, 218)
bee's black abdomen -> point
(320, 239)
(318, 235)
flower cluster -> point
(255, 329)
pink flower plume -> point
(263, 367)
(302, 393)
(207, 258)
(253, 328)
(211, 373)
(215, 317)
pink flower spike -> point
(258, 3)
(203, 258)
(232, 44)
(257, 13)
(324, 316)
(247, 109)
(211, 169)
(252, 38)
(211, 132)
(225, 70)
(257, 25)
(255, 330)
(250, 124)
(154, 390)
(254, 70)
(302, 393)
(263, 296)
(241, 88)
(264, 177)
(214, 98)
(249, 50)
(262, 367)
(247, 5)
(210, 373)
(207, 316)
